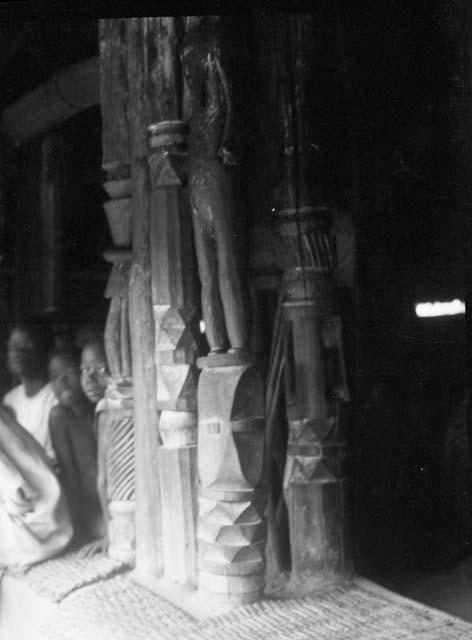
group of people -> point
(51, 496)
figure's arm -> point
(9, 410)
(16, 495)
(58, 432)
(112, 336)
(125, 339)
(225, 153)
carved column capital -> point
(168, 157)
(118, 211)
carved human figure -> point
(223, 303)
(117, 338)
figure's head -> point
(64, 373)
(94, 370)
(198, 43)
(29, 344)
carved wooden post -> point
(155, 96)
(315, 382)
(177, 341)
(120, 472)
(148, 500)
(231, 528)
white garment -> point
(34, 519)
(33, 413)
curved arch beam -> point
(65, 94)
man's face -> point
(23, 354)
(65, 380)
(94, 372)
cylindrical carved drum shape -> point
(118, 212)
(231, 527)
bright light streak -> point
(435, 309)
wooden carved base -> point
(231, 527)
(179, 482)
(122, 530)
(315, 393)
(120, 471)
(315, 493)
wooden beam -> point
(149, 561)
(64, 95)
(50, 208)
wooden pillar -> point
(144, 100)
(177, 343)
(231, 526)
(315, 381)
(119, 437)
(177, 333)
(50, 208)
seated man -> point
(115, 437)
(94, 374)
(34, 519)
(75, 445)
(30, 402)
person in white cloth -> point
(34, 518)
(30, 402)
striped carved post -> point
(118, 428)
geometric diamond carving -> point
(167, 169)
(177, 387)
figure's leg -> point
(60, 430)
(113, 335)
(212, 310)
(101, 525)
(125, 340)
(234, 302)
(84, 445)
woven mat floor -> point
(119, 609)
(59, 577)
